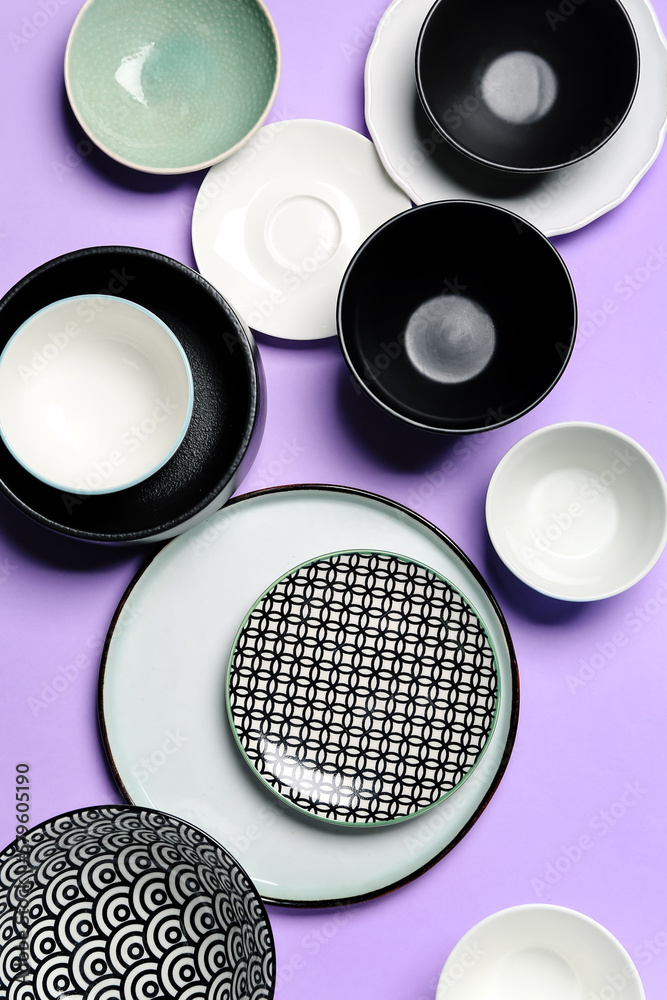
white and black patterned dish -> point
(362, 688)
(164, 673)
(420, 161)
(115, 901)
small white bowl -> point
(578, 511)
(539, 951)
(95, 394)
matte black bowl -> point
(228, 410)
(523, 86)
(457, 316)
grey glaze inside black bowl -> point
(457, 316)
(523, 86)
(228, 409)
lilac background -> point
(577, 749)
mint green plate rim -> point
(172, 170)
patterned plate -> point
(362, 688)
(116, 901)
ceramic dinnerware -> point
(187, 606)
(275, 227)
(95, 394)
(228, 405)
(427, 168)
(362, 688)
(117, 901)
(578, 511)
(457, 317)
(513, 88)
(539, 950)
(170, 86)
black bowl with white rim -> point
(228, 409)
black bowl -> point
(527, 86)
(457, 316)
(228, 410)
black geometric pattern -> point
(120, 903)
(363, 687)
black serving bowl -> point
(523, 86)
(457, 316)
(228, 409)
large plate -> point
(423, 164)
(164, 675)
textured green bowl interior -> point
(171, 84)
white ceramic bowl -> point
(539, 951)
(95, 394)
(578, 511)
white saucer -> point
(578, 511)
(539, 951)
(275, 226)
(163, 682)
(96, 394)
(423, 164)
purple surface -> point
(588, 776)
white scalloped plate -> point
(419, 160)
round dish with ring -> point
(362, 688)
(186, 608)
(228, 405)
(275, 227)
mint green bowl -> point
(171, 86)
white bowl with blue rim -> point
(96, 394)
